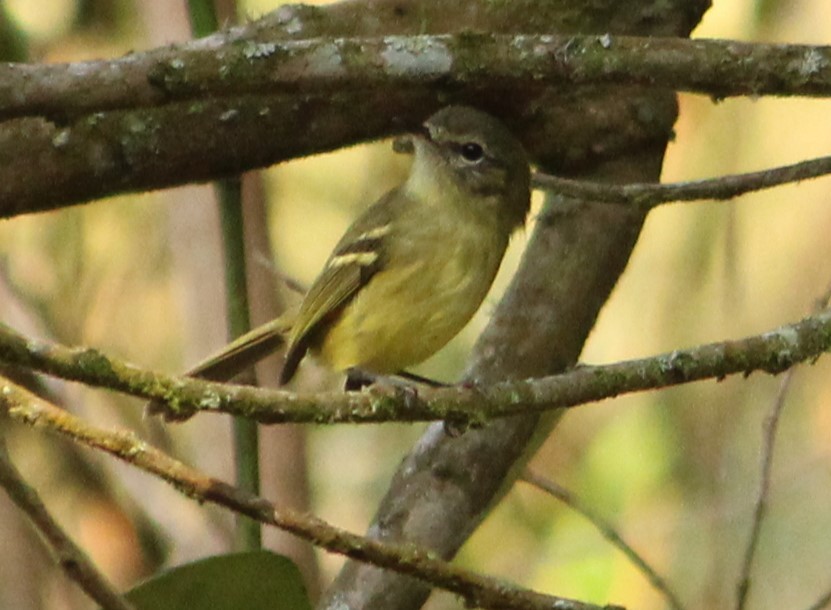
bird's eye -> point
(472, 152)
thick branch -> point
(772, 352)
(444, 487)
(132, 123)
(612, 133)
(233, 65)
(477, 590)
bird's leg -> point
(357, 380)
(422, 380)
(398, 384)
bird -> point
(414, 267)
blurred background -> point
(677, 471)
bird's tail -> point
(242, 353)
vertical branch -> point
(770, 428)
(284, 469)
(760, 511)
(229, 192)
(246, 438)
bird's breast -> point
(410, 309)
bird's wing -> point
(360, 254)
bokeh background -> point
(677, 471)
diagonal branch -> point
(646, 196)
(823, 602)
(607, 530)
(773, 352)
(477, 590)
(72, 559)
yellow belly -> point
(401, 318)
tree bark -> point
(446, 485)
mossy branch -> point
(773, 352)
(136, 123)
(477, 590)
(243, 61)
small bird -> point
(414, 267)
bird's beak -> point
(407, 143)
(404, 145)
(424, 132)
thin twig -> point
(771, 427)
(72, 559)
(607, 530)
(646, 196)
(774, 352)
(822, 602)
(476, 589)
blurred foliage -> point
(253, 580)
(676, 470)
(13, 46)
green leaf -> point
(257, 580)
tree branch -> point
(773, 352)
(242, 61)
(823, 601)
(607, 530)
(477, 590)
(613, 133)
(72, 559)
(646, 196)
(771, 427)
(135, 123)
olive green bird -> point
(414, 267)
